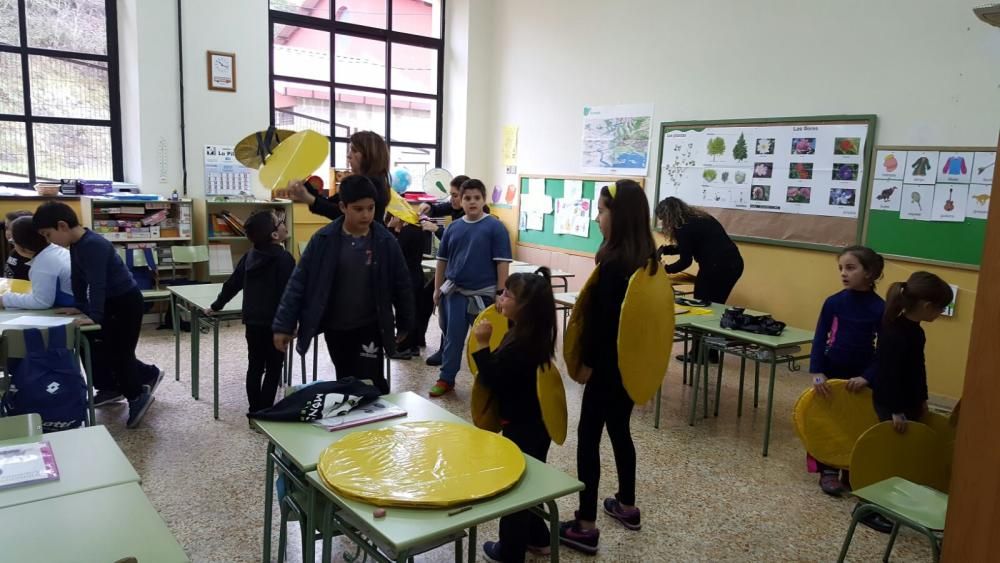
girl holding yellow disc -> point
(510, 373)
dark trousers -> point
(716, 281)
(524, 528)
(423, 294)
(101, 364)
(358, 353)
(121, 325)
(264, 363)
(605, 402)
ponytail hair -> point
(921, 286)
(534, 331)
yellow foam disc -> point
(645, 332)
(247, 151)
(552, 398)
(295, 158)
(414, 464)
(10, 285)
(485, 413)
(574, 328)
(918, 455)
(400, 208)
(829, 428)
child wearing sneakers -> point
(623, 218)
(262, 275)
(510, 372)
(104, 291)
(473, 261)
(347, 283)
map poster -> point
(616, 139)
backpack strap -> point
(150, 260)
(33, 341)
(57, 337)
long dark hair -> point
(534, 331)
(631, 242)
(672, 213)
(871, 262)
(921, 286)
(374, 160)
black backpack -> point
(735, 318)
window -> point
(342, 66)
(59, 109)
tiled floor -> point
(705, 491)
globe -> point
(401, 179)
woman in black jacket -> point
(699, 237)
(368, 155)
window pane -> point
(419, 17)
(360, 62)
(68, 25)
(360, 12)
(11, 87)
(304, 7)
(413, 120)
(302, 106)
(13, 152)
(9, 32)
(69, 88)
(72, 151)
(414, 69)
(415, 161)
(301, 52)
(359, 111)
(340, 155)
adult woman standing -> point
(699, 237)
(368, 155)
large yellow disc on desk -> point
(645, 331)
(573, 335)
(552, 398)
(485, 411)
(829, 427)
(414, 464)
(400, 208)
(295, 158)
(918, 455)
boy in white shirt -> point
(51, 283)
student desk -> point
(88, 459)
(565, 303)
(404, 532)
(101, 525)
(560, 278)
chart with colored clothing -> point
(933, 185)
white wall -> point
(928, 68)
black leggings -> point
(524, 528)
(605, 402)
(715, 282)
(263, 367)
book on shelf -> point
(379, 409)
(22, 464)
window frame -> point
(389, 37)
(114, 123)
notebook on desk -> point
(27, 463)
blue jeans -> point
(457, 321)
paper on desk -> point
(35, 320)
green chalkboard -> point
(546, 237)
(957, 244)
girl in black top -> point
(900, 386)
(623, 217)
(510, 372)
(700, 237)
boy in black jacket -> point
(350, 277)
(262, 275)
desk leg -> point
(268, 501)
(770, 400)
(177, 337)
(756, 381)
(743, 368)
(472, 546)
(686, 358)
(88, 371)
(694, 384)
(656, 415)
(195, 343)
(718, 382)
(309, 525)
(215, 369)
(553, 514)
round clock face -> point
(222, 64)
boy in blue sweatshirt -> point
(104, 291)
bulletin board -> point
(550, 236)
(930, 204)
(790, 181)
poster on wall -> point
(800, 168)
(616, 139)
(224, 175)
(572, 217)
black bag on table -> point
(735, 318)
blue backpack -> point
(47, 382)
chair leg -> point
(282, 532)
(859, 513)
(892, 541)
(718, 382)
(743, 369)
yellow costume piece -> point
(829, 427)
(918, 455)
(401, 209)
(421, 464)
(573, 335)
(295, 158)
(247, 151)
(548, 384)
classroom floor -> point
(705, 492)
